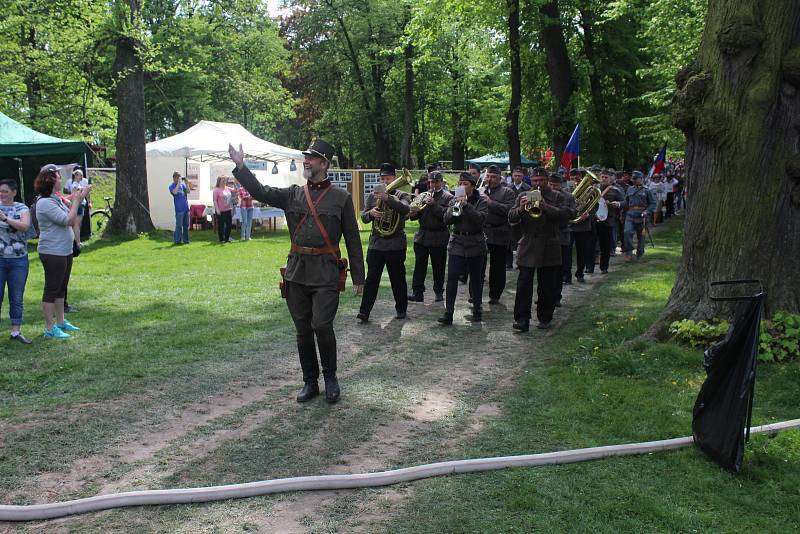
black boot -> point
(439, 297)
(416, 297)
(331, 389)
(522, 325)
(476, 316)
(446, 319)
(309, 391)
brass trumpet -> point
(533, 206)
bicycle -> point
(101, 216)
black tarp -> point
(721, 415)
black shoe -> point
(439, 297)
(580, 279)
(70, 309)
(522, 326)
(21, 338)
(589, 272)
(494, 301)
(331, 389)
(362, 318)
(416, 298)
(567, 282)
(604, 271)
(309, 391)
(543, 325)
(446, 319)
(474, 317)
(400, 315)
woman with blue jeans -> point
(14, 223)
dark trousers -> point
(584, 252)
(497, 270)
(670, 204)
(605, 236)
(566, 261)
(460, 265)
(313, 309)
(224, 221)
(438, 256)
(395, 263)
(512, 246)
(56, 276)
(547, 285)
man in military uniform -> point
(499, 198)
(431, 240)
(386, 250)
(613, 197)
(555, 183)
(467, 247)
(582, 236)
(518, 185)
(639, 204)
(312, 270)
(539, 253)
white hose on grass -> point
(335, 482)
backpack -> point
(33, 230)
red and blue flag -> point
(659, 162)
(573, 148)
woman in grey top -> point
(14, 223)
(55, 247)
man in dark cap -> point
(583, 238)
(386, 250)
(318, 216)
(613, 198)
(430, 240)
(499, 198)
(467, 246)
(639, 204)
(554, 181)
(539, 253)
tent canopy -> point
(207, 141)
(501, 158)
(18, 140)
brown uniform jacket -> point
(614, 194)
(467, 238)
(565, 234)
(540, 244)
(496, 228)
(335, 212)
(397, 201)
(433, 232)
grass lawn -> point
(179, 337)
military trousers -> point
(438, 257)
(547, 289)
(458, 266)
(584, 252)
(313, 309)
(634, 226)
(496, 259)
(605, 236)
(395, 263)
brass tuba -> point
(533, 207)
(587, 195)
(387, 224)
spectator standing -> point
(180, 197)
(246, 209)
(55, 247)
(77, 183)
(223, 207)
(14, 223)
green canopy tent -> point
(501, 159)
(24, 151)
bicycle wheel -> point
(99, 222)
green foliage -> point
(698, 333)
(779, 337)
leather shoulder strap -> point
(313, 209)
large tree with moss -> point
(738, 104)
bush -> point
(779, 340)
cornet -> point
(533, 206)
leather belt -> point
(468, 233)
(312, 251)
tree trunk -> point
(408, 114)
(131, 205)
(512, 118)
(739, 106)
(33, 86)
(559, 73)
(595, 88)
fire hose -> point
(338, 482)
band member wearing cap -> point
(430, 240)
(499, 199)
(312, 271)
(583, 238)
(613, 197)
(386, 250)
(639, 204)
(554, 181)
(518, 185)
(539, 253)
(467, 247)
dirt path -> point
(462, 377)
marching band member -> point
(518, 185)
(554, 180)
(613, 197)
(467, 246)
(430, 240)
(639, 204)
(539, 253)
(499, 199)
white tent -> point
(201, 154)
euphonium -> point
(533, 207)
(587, 195)
(387, 224)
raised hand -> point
(237, 156)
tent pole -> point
(21, 179)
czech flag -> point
(658, 162)
(573, 148)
